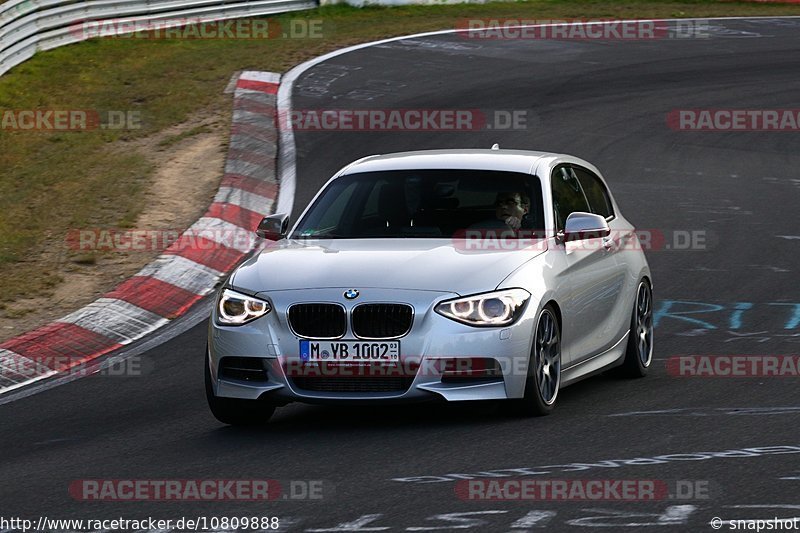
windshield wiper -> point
(323, 235)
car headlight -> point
(235, 309)
(498, 308)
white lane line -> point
(355, 525)
(534, 519)
(658, 412)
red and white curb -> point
(185, 272)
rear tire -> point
(235, 411)
(544, 367)
(639, 350)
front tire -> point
(639, 351)
(235, 411)
(544, 367)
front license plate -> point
(355, 351)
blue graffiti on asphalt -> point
(736, 318)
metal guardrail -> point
(28, 26)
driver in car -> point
(510, 210)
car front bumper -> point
(432, 340)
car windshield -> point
(424, 204)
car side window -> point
(568, 195)
(596, 193)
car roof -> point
(503, 160)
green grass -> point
(51, 182)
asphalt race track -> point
(604, 101)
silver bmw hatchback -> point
(435, 275)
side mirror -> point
(581, 226)
(273, 227)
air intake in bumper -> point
(471, 369)
(243, 369)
